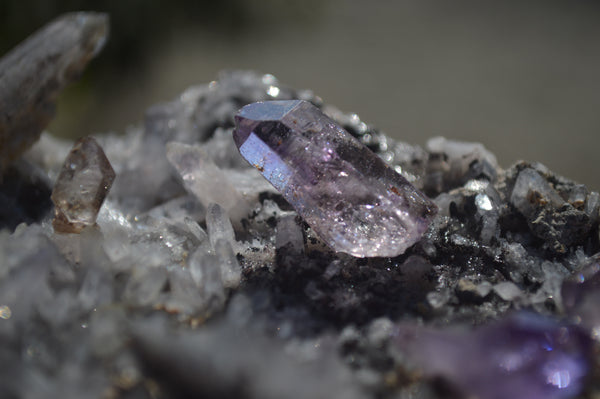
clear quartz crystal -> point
(218, 225)
(203, 178)
(222, 240)
(81, 186)
(351, 198)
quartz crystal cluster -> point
(200, 279)
(34, 72)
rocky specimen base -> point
(199, 279)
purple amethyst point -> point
(349, 196)
(523, 356)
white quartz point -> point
(222, 241)
(203, 178)
(218, 225)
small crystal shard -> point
(222, 241)
(350, 197)
(81, 186)
(532, 191)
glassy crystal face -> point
(81, 186)
(349, 196)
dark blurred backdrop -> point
(519, 76)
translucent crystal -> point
(532, 191)
(184, 296)
(81, 187)
(34, 73)
(207, 275)
(350, 197)
(231, 272)
(144, 285)
(222, 241)
(507, 290)
(204, 179)
(524, 356)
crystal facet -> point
(81, 186)
(350, 197)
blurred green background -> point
(520, 77)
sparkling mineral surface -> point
(349, 196)
(82, 185)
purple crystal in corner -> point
(524, 356)
(349, 196)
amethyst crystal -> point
(349, 196)
(523, 356)
(81, 186)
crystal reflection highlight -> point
(524, 356)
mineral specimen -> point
(184, 294)
(349, 196)
(81, 187)
(33, 74)
(524, 356)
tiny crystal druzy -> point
(80, 189)
(349, 196)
